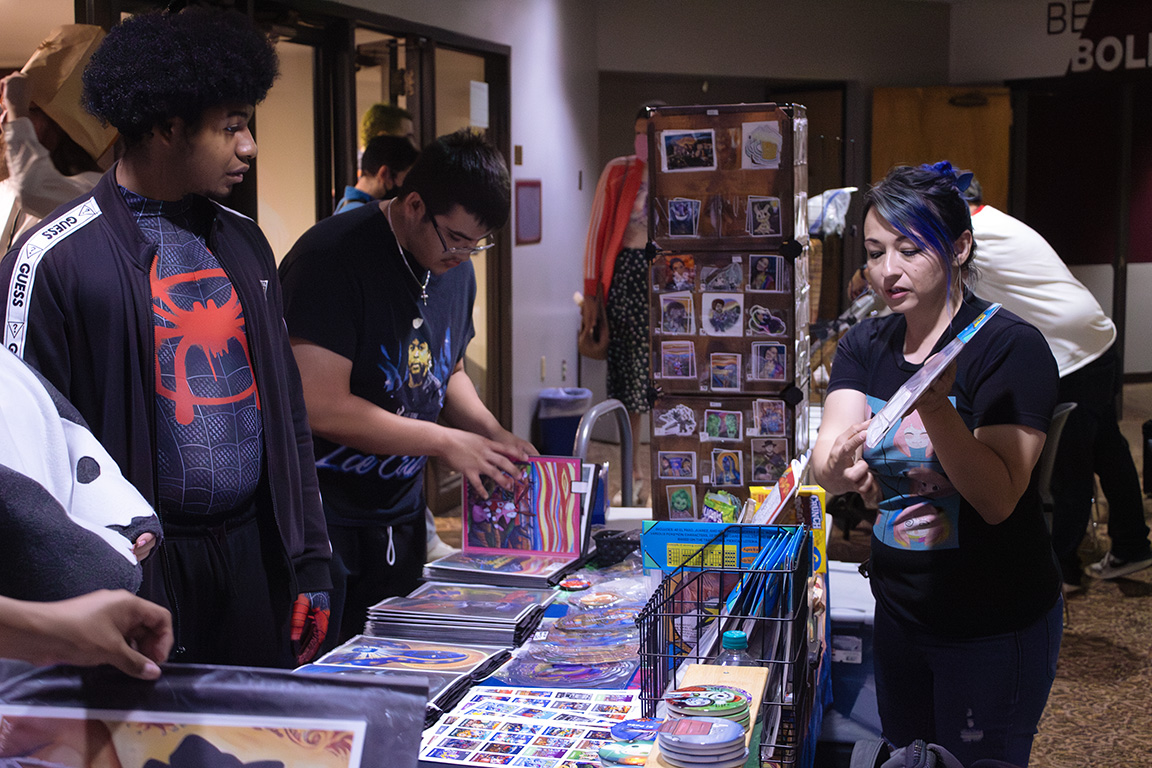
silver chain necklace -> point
(404, 259)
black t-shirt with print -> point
(347, 290)
(935, 562)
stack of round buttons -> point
(720, 701)
(703, 741)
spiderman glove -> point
(309, 624)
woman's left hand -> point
(936, 396)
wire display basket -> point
(748, 577)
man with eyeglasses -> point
(378, 303)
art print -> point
(687, 150)
(678, 359)
(724, 371)
(676, 316)
(763, 216)
(725, 277)
(767, 273)
(40, 735)
(761, 142)
(503, 562)
(683, 217)
(723, 425)
(541, 513)
(727, 467)
(681, 502)
(769, 460)
(417, 655)
(768, 361)
(769, 417)
(676, 273)
(763, 321)
(458, 600)
(721, 313)
(680, 419)
(676, 465)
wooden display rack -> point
(729, 299)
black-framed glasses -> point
(471, 250)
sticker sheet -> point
(529, 727)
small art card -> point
(683, 217)
(769, 460)
(761, 141)
(769, 418)
(768, 361)
(723, 425)
(724, 371)
(676, 465)
(727, 467)
(720, 314)
(763, 217)
(676, 316)
(767, 273)
(723, 277)
(763, 321)
(678, 359)
(687, 150)
(679, 420)
(681, 502)
(676, 273)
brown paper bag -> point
(54, 71)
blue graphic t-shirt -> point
(347, 290)
(935, 562)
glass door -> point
(462, 102)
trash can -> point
(558, 414)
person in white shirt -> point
(1018, 268)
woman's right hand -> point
(846, 464)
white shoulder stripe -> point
(31, 254)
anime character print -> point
(920, 509)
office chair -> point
(1044, 466)
(1047, 460)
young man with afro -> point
(158, 313)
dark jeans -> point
(227, 589)
(978, 698)
(1092, 444)
(368, 565)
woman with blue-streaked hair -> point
(968, 602)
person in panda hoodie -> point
(73, 532)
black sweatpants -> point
(225, 579)
(1092, 444)
(369, 564)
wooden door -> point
(969, 127)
